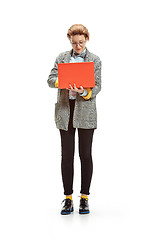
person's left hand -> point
(75, 89)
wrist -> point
(84, 93)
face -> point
(78, 43)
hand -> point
(75, 89)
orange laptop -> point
(82, 74)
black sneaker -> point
(83, 207)
(67, 207)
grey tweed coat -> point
(85, 113)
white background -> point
(125, 191)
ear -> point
(86, 38)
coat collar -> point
(68, 55)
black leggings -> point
(85, 137)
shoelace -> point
(83, 202)
(66, 201)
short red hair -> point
(77, 29)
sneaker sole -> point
(67, 213)
(86, 212)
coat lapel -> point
(87, 58)
(67, 56)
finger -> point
(75, 86)
(71, 87)
(82, 90)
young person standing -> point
(76, 109)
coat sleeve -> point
(97, 87)
(53, 76)
(92, 92)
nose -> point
(78, 44)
